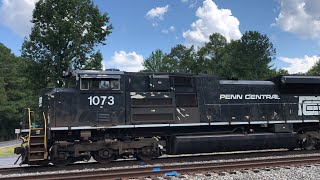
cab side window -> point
(100, 84)
(115, 84)
(84, 84)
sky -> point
(143, 26)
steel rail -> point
(161, 160)
(185, 168)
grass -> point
(7, 151)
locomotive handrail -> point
(45, 134)
(29, 120)
(246, 104)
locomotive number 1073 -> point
(101, 100)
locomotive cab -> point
(94, 100)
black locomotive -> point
(114, 114)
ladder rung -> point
(36, 136)
(32, 152)
(36, 159)
(37, 149)
(35, 144)
(37, 129)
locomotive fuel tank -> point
(232, 142)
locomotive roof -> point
(104, 73)
(244, 82)
(97, 72)
(282, 79)
(293, 79)
(301, 79)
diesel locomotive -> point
(113, 114)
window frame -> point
(88, 83)
(100, 79)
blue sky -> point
(143, 26)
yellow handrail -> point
(45, 134)
(29, 120)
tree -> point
(229, 65)
(248, 58)
(183, 59)
(209, 56)
(258, 52)
(95, 61)
(63, 36)
(277, 72)
(315, 70)
(158, 62)
(14, 91)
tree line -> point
(66, 33)
(247, 58)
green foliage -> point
(315, 70)
(64, 36)
(210, 55)
(95, 61)
(183, 59)
(180, 59)
(257, 53)
(158, 62)
(275, 72)
(247, 58)
(14, 91)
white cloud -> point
(131, 62)
(212, 20)
(191, 3)
(170, 29)
(158, 12)
(300, 17)
(17, 14)
(300, 65)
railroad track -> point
(153, 171)
(124, 163)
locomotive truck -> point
(113, 114)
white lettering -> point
(111, 100)
(222, 96)
(100, 100)
(249, 96)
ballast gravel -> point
(311, 172)
(294, 173)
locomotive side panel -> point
(186, 99)
(162, 99)
(247, 101)
(208, 93)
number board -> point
(101, 100)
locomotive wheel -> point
(146, 154)
(309, 144)
(104, 155)
(62, 159)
